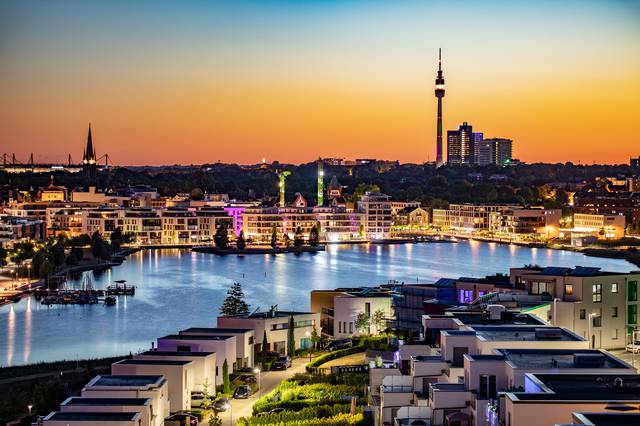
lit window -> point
(596, 290)
(614, 288)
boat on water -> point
(120, 288)
(109, 300)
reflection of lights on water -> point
(28, 319)
(11, 334)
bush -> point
(312, 367)
(318, 412)
(294, 396)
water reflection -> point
(179, 289)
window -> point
(633, 291)
(339, 326)
(615, 334)
(540, 287)
(583, 314)
(615, 312)
(367, 308)
(596, 290)
(487, 386)
(568, 289)
(350, 327)
(597, 321)
(614, 287)
(632, 314)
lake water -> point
(178, 289)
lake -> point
(178, 289)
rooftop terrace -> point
(526, 334)
(152, 362)
(583, 387)
(177, 353)
(608, 419)
(215, 330)
(77, 400)
(126, 380)
(93, 417)
(193, 337)
(561, 359)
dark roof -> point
(608, 419)
(152, 362)
(93, 417)
(78, 400)
(558, 358)
(445, 282)
(177, 353)
(127, 380)
(215, 330)
(193, 337)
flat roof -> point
(214, 330)
(608, 419)
(482, 318)
(93, 417)
(525, 334)
(153, 362)
(126, 380)
(177, 353)
(587, 387)
(193, 337)
(79, 400)
(557, 358)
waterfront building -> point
(179, 375)
(468, 217)
(547, 399)
(276, 325)
(245, 339)
(103, 220)
(20, 228)
(223, 346)
(376, 208)
(520, 221)
(411, 216)
(605, 202)
(142, 406)
(493, 151)
(179, 226)
(204, 365)
(340, 308)
(461, 145)
(634, 162)
(601, 226)
(154, 387)
(338, 224)
(598, 305)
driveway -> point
(268, 380)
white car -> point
(634, 348)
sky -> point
(189, 82)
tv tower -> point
(439, 95)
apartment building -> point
(57, 418)
(376, 208)
(276, 325)
(179, 375)
(155, 388)
(142, 406)
(340, 308)
(543, 222)
(601, 226)
(204, 365)
(547, 399)
(339, 224)
(598, 305)
(223, 346)
(245, 339)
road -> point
(268, 380)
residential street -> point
(269, 380)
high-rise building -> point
(439, 95)
(461, 145)
(496, 151)
(635, 162)
(89, 160)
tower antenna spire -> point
(439, 60)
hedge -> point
(293, 396)
(342, 419)
(306, 413)
(312, 367)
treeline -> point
(433, 187)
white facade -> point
(376, 208)
(204, 365)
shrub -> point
(291, 395)
(312, 367)
(318, 412)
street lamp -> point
(29, 407)
(257, 371)
(230, 408)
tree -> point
(97, 245)
(116, 239)
(363, 323)
(298, 241)
(315, 338)
(274, 237)
(234, 304)
(314, 238)
(378, 320)
(197, 194)
(57, 254)
(286, 241)
(226, 383)
(291, 339)
(3, 256)
(214, 419)
(206, 396)
(221, 238)
(265, 350)
(46, 269)
(241, 243)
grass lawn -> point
(353, 359)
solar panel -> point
(554, 270)
(583, 271)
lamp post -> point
(590, 324)
(230, 408)
(257, 371)
(29, 407)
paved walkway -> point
(268, 380)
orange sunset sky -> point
(193, 82)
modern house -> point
(77, 404)
(245, 339)
(204, 365)
(57, 418)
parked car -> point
(634, 347)
(282, 363)
(247, 378)
(242, 392)
(185, 419)
(339, 344)
(221, 405)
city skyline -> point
(291, 81)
